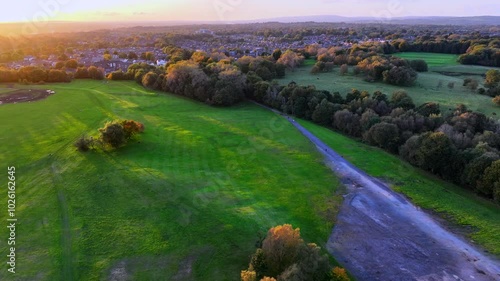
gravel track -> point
(380, 235)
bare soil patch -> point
(24, 95)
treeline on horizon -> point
(473, 43)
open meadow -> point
(431, 86)
(432, 59)
(186, 201)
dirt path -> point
(380, 235)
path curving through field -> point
(380, 235)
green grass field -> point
(426, 89)
(471, 215)
(4, 91)
(432, 59)
(186, 203)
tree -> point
(492, 78)
(131, 128)
(150, 80)
(428, 109)
(96, 73)
(132, 56)
(384, 135)
(55, 75)
(401, 76)
(471, 84)
(323, 114)
(496, 100)
(73, 64)
(248, 275)
(489, 184)
(82, 73)
(277, 54)
(229, 86)
(339, 274)
(347, 122)
(59, 65)
(187, 79)
(113, 134)
(311, 264)
(419, 65)
(435, 152)
(401, 99)
(281, 247)
(476, 168)
(290, 59)
(84, 144)
(344, 69)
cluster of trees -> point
(492, 83)
(91, 72)
(211, 78)
(283, 255)
(481, 54)
(369, 59)
(31, 74)
(113, 135)
(424, 135)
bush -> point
(401, 76)
(471, 84)
(419, 65)
(132, 128)
(339, 274)
(285, 256)
(113, 134)
(496, 100)
(84, 144)
(248, 275)
(344, 69)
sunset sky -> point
(229, 10)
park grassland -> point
(470, 215)
(189, 199)
(430, 86)
(432, 59)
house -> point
(205, 31)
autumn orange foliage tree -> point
(285, 256)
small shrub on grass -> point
(84, 143)
(339, 274)
(117, 133)
(132, 128)
(113, 134)
(247, 275)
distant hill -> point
(479, 20)
(7, 29)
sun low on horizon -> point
(225, 10)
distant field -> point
(426, 89)
(191, 196)
(432, 59)
(478, 218)
(5, 90)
